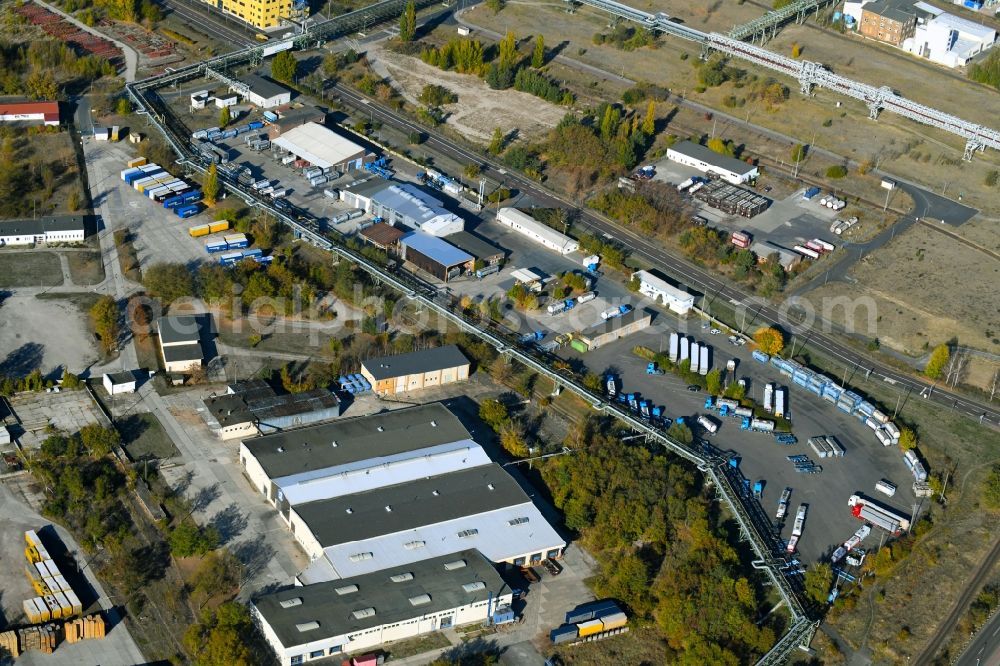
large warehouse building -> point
(528, 226)
(708, 161)
(322, 147)
(663, 292)
(353, 615)
(403, 203)
(385, 490)
(277, 464)
(435, 256)
(478, 507)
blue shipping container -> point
(256, 125)
(256, 252)
(189, 210)
(174, 201)
(216, 246)
(127, 172)
(192, 197)
(235, 245)
(810, 193)
(270, 116)
(230, 258)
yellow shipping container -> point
(137, 162)
(114, 133)
(74, 602)
(53, 604)
(590, 627)
(614, 621)
(35, 551)
(61, 582)
(51, 566)
(221, 225)
(200, 230)
(65, 607)
(34, 612)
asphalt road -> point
(696, 279)
(985, 649)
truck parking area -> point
(829, 521)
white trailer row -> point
(683, 348)
(827, 446)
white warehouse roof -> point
(319, 145)
(364, 475)
(500, 535)
(661, 287)
(531, 227)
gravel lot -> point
(29, 340)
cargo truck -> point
(705, 363)
(783, 503)
(586, 297)
(674, 346)
(556, 308)
(800, 520)
(780, 401)
(611, 313)
(881, 517)
(810, 193)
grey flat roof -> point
(615, 323)
(707, 156)
(292, 403)
(391, 600)
(179, 328)
(41, 225)
(425, 360)
(188, 352)
(266, 88)
(414, 504)
(307, 449)
(474, 245)
(902, 12)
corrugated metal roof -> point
(265, 88)
(699, 152)
(319, 145)
(474, 245)
(434, 248)
(548, 233)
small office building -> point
(330, 619)
(664, 293)
(180, 342)
(43, 230)
(403, 203)
(712, 163)
(765, 250)
(542, 234)
(435, 256)
(416, 370)
(265, 93)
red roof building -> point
(45, 112)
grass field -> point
(920, 284)
(639, 646)
(85, 268)
(143, 436)
(29, 269)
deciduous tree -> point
(284, 67)
(210, 186)
(408, 23)
(769, 340)
(938, 360)
(104, 315)
(538, 55)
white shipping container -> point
(780, 401)
(704, 365)
(685, 344)
(769, 397)
(674, 346)
(885, 488)
(695, 356)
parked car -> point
(694, 387)
(553, 567)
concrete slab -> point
(66, 411)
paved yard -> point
(29, 340)
(66, 411)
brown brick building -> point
(889, 21)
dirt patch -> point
(921, 289)
(479, 108)
(86, 268)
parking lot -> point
(829, 521)
(158, 234)
(788, 221)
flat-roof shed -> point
(436, 256)
(322, 147)
(265, 93)
(383, 236)
(540, 233)
(663, 292)
(478, 247)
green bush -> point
(837, 171)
